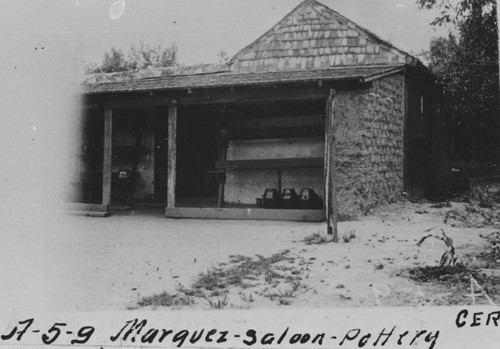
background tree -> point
(466, 67)
(223, 57)
(138, 57)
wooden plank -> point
(384, 74)
(279, 181)
(221, 183)
(269, 164)
(161, 154)
(89, 213)
(333, 170)
(213, 95)
(246, 214)
(222, 145)
(172, 155)
(84, 207)
(330, 172)
(255, 95)
(281, 132)
(137, 101)
(326, 169)
(107, 157)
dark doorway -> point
(161, 154)
(87, 181)
(196, 155)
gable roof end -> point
(313, 36)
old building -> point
(315, 102)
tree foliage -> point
(466, 66)
(223, 57)
(138, 57)
(453, 12)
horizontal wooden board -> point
(89, 213)
(83, 209)
(269, 164)
(76, 206)
(246, 214)
(278, 132)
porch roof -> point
(358, 74)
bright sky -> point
(84, 29)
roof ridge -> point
(325, 14)
(302, 3)
(364, 30)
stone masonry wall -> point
(369, 128)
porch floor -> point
(250, 213)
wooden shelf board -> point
(269, 164)
(246, 214)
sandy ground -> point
(94, 264)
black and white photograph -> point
(250, 163)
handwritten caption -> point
(140, 332)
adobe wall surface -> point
(369, 133)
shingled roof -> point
(312, 42)
(313, 36)
(356, 74)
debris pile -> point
(471, 216)
(492, 252)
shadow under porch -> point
(229, 154)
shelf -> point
(117, 150)
(269, 164)
(283, 132)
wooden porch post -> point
(107, 158)
(172, 154)
(330, 169)
(222, 144)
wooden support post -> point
(221, 181)
(330, 169)
(107, 157)
(279, 182)
(222, 145)
(172, 155)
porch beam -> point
(254, 95)
(137, 101)
(172, 155)
(107, 157)
(219, 94)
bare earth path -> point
(111, 263)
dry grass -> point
(217, 302)
(286, 296)
(213, 286)
(165, 299)
(316, 239)
(349, 235)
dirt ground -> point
(118, 263)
